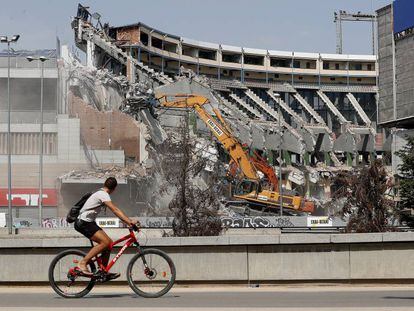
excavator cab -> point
(246, 187)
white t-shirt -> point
(93, 205)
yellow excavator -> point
(250, 190)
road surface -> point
(291, 297)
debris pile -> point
(104, 90)
(132, 171)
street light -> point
(42, 60)
(279, 119)
(6, 39)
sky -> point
(284, 25)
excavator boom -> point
(220, 131)
(240, 158)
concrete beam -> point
(358, 109)
(331, 106)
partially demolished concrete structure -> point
(316, 112)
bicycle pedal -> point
(109, 277)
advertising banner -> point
(28, 197)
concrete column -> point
(139, 54)
(267, 65)
(130, 67)
(242, 67)
(327, 158)
(306, 158)
(180, 52)
(348, 159)
(329, 120)
(347, 73)
(307, 185)
(286, 157)
(90, 54)
(319, 67)
(162, 55)
(219, 59)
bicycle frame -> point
(130, 240)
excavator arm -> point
(240, 159)
(218, 127)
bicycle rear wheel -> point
(151, 273)
(63, 278)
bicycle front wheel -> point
(151, 273)
(63, 278)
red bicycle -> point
(150, 273)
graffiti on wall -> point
(53, 223)
(157, 222)
(25, 222)
(227, 222)
(256, 222)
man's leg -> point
(103, 240)
(105, 256)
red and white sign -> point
(28, 197)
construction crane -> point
(250, 191)
(352, 17)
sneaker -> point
(111, 276)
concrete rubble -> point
(135, 171)
(105, 91)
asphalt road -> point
(306, 297)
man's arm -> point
(120, 214)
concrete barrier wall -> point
(238, 258)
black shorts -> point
(87, 228)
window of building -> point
(253, 60)
(369, 67)
(308, 65)
(358, 66)
(170, 47)
(156, 43)
(300, 78)
(246, 74)
(144, 38)
(337, 66)
(279, 62)
(332, 79)
(207, 54)
(359, 79)
(325, 65)
(231, 58)
(189, 51)
(276, 75)
(225, 71)
(296, 64)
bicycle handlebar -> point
(133, 228)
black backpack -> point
(75, 210)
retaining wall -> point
(238, 258)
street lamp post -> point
(6, 39)
(42, 60)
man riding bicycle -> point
(86, 224)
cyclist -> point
(87, 225)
